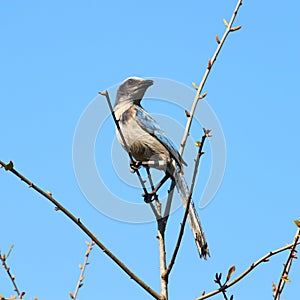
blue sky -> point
(56, 56)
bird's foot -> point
(150, 196)
(135, 165)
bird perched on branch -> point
(147, 143)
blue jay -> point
(147, 142)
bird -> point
(140, 134)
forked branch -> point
(284, 276)
(82, 268)
(3, 258)
(210, 64)
(265, 258)
(186, 212)
(59, 207)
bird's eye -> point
(130, 81)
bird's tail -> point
(193, 218)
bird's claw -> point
(135, 165)
(149, 196)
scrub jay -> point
(148, 143)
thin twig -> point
(224, 294)
(161, 226)
(3, 258)
(265, 258)
(157, 211)
(77, 221)
(223, 291)
(201, 85)
(162, 258)
(180, 235)
(221, 285)
(82, 268)
(287, 266)
(169, 200)
(198, 96)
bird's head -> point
(132, 90)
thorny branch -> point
(77, 221)
(288, 264)
(82, 268)
(265, 258)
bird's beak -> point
(146, 83)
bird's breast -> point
(142, 145)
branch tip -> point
(235, 28)
(229, 273)
(297, 223)
(187, 113)
(225, 22)
(202, 96)
(195, 86)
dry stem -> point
(12, 278)
(162, 258)
(247, 271)
(82, 267)
(287, 266)
(180, 235)
(77, 221)
(201, 85)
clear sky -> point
(55, 57)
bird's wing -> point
(147, 123)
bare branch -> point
(162, 258)
(169, 200)
(186, 212)
(199, 96)
(82, 268)
(209, 67)
(157, 210)
(3, 258)
(78, 222)
(247, 271)
(223, 285)
(218, 281)
(284, 276)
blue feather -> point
(147, 123)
